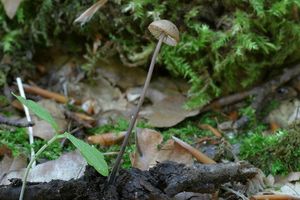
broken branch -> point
(13, 122)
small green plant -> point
(91, 154)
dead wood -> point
(14, 122)
(161, 182)
(260, 92)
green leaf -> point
(94, 157)
(39, 111)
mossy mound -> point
(226, 46)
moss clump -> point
(276, 154)
(221, 41)
(17, 141)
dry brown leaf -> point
(16, 104)
(147, 142)
(9, 164)
(107, 139)
(172, 151)
(4, 150)
(11, 7)
(274, 127)
(120, 75)
(105, 97)
(44, 130)
(88, 14)
(212, 129)
(200, 157)
(234, 115)
(286, 114)
(293, 176)
(148, 152)
(68, 166)
(168, 112)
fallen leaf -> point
(104, 96)
(11, 7)
(234, 115)
(107, 139)
(148, 152)
(288, 113)
(68, 166)
(171, 151)
(4, 150)
(200, 157)
(274, 127)
(168, 112)
(44, 130)
(88, 14)
(16, 104)
(291, 177)
(291, 189)
(153, 95)
(120, 75)
(147, 142)
(9, 164)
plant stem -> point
(111, 178)
(57, 136)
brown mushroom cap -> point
(167, 28)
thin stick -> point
(14, 122)
(235, 192)
(30, 129)
(111, 178)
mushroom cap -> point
(165, 27)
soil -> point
(161, 182)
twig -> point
(235, 192)
(13, 122)
(30, 129)
(274, 196)
(47, 94)
(259, 92)
(79, 118)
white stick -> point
(30, 130)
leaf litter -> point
(115, 91)
(68, 166)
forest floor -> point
(246, 142)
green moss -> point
(221, 41)
(17, 141)
(276, 154)
(3, 100)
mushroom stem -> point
(111, 178)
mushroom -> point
(165, 31)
